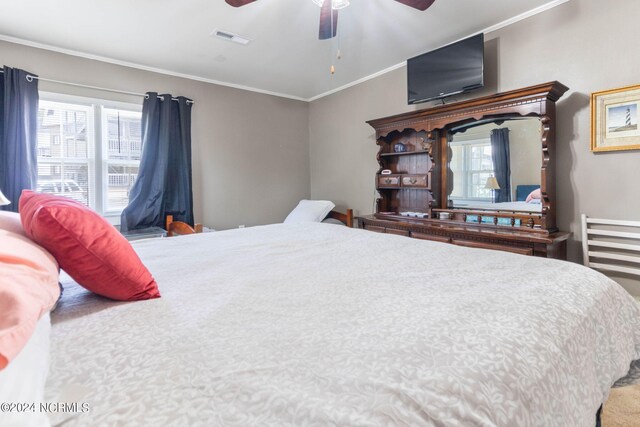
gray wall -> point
(250, 151)
(587, 45)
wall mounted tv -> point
(449, 70)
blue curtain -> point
(501, 166)
(18, 134)
(163, 186)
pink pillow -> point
(28, 289)
(87, 247)
(535, 194)
(10, 221)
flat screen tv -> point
(449, 70)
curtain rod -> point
(30, 78)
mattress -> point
(316, 324)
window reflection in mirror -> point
(512, 156)
(471, 165)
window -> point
(65, 150)
(123, 148)
(472, 166)
(89, 151)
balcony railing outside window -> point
(68, 146)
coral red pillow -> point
(535, 194)
(86, 246)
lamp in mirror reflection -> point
(4, 200)
(492, 184)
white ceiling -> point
(284, 57)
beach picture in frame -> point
(614, 119)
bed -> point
(318, 324)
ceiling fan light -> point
(335, 4)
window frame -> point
(105, 155)
(97, 149)
(89, 161)
(467, 161)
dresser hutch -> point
(419, 189)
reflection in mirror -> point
(497, 166)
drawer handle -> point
(413, 180)
(387, 181)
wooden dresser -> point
(551, 245)
(434, 163)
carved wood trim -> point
(514, 99)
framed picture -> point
(614, 119)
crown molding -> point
(108, 60)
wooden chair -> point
(178, 227)
(346, 218)
(614, 244)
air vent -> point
(225, 35)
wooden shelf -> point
(403, 188)
(449, 223)
(489, 229)
(406, 153)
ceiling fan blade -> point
(328, 21)
(238, 3)
(417, 4)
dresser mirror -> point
(495, 165)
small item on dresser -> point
(414, 214)
(385, 172)
(400, 148)
(444, 215)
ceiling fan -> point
(329, 12)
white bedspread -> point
(323, 325)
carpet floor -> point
(623, 407)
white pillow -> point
(310, 211)
(10, 221)
(23, 380)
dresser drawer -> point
(494, 246)
(424, 236)
(374, 228)
(420, 181)
(388, 181)
(398, 232)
